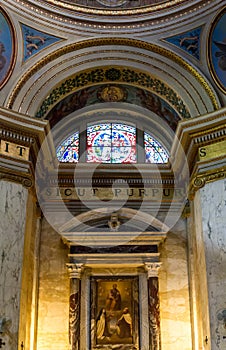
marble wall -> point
(213, 202)
(12, 216)
(30, 273)
(198, 278)
(174, 291)
(53, 303)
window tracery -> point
(114, 143)
(111, 143)
(154, 151)
(68, 151)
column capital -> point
(74, 270)
(152, 268)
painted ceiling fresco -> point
(7, 48)
(217, 50)
(35, 40)
(113, 93)
(188, 42)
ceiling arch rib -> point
(149, 61)
(86, 16)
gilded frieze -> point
(119, 75)
(106, 7)
(101, 93)
(113, 74)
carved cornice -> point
(200, 126)
(21, 139)
(150, 176)
(204, 133)
(113, 260)
(18, 137)
(102, 42)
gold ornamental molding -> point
(159, 5)
(117, 42)
(201, 180)
(18, 177)
(203, 135)
(111, 75)
(15, 150)
(116, 12)
(215, 150)
(203, 141)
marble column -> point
(153, 305)
(75, 271)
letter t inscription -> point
(21, 150)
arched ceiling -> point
(116, 7)
(129, 14)
(113, 61)
(74, 71)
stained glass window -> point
(111, 143)
(68, 151)
(154, 151)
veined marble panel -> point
(12, 217)
(213, 202)
(174, 291)
(53, 303)
(198, 280)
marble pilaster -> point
(197, 277)
(213, 209)
(174, 291)
(13, 218)
(52, 332)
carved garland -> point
(114, 74)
